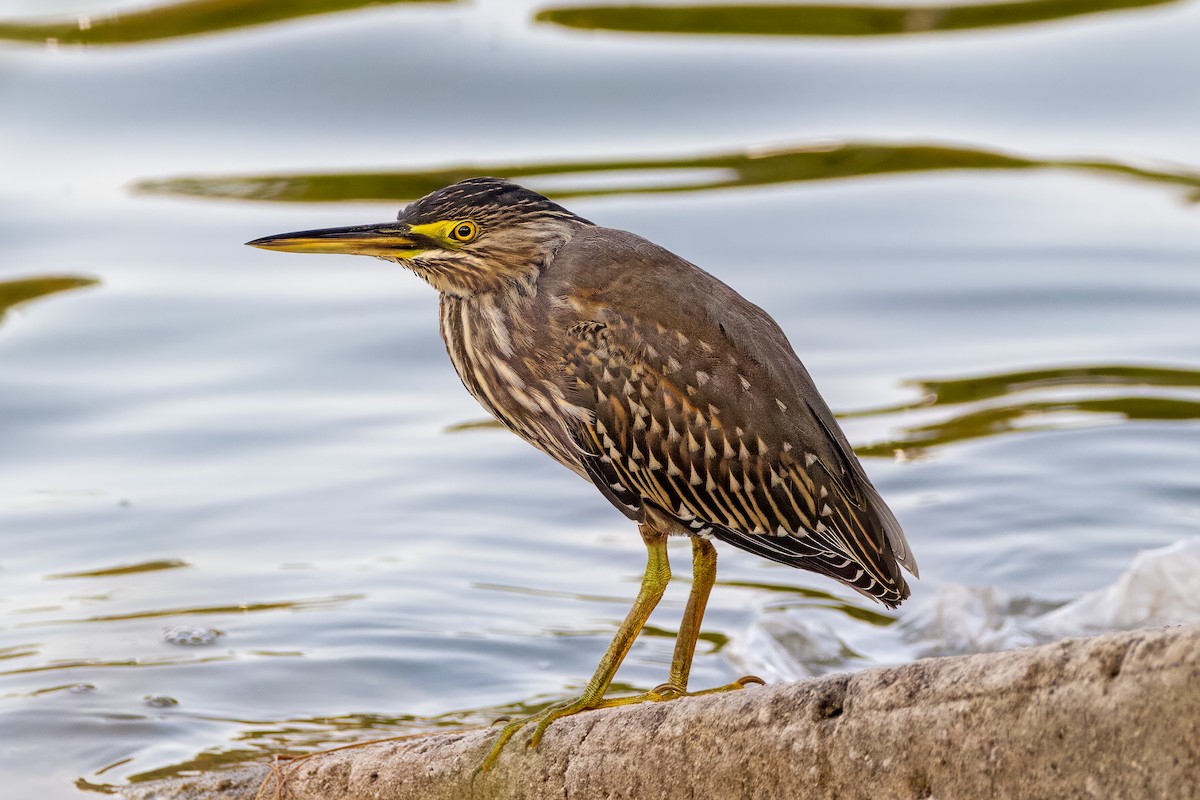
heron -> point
(681, 401)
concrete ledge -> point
(1116, 716)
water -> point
(239, 510)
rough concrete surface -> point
(1116, 716)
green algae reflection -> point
(827, 20)
(174, 20)
(122, 569)
(987, 405)
(15, 291)
(729, 170)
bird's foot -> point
(543, 719)
(740, 683)
(540, 721)
(673, 691)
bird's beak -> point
(385, 240)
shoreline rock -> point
(1114, 716)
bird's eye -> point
(464, 232)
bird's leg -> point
(654, 583)
(704, 575)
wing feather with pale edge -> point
(714, 420)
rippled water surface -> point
(244, 504)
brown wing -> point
(710, 416)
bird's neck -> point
(487, 326)
(470, 283)
(497, 355)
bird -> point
(681, 401)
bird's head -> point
(474, 236)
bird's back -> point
(696, 404)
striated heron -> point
(679, 399)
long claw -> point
(541, 721)
(668, 691)
(740, 683)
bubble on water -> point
(83, 688)
(160, 701)
(191, 635)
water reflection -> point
(715, 639)
(20, 290)
(987, 387)
(290, 738)
(827, 20)
(102, 663)
(18, 651)
(237, 608)
(786, 595)
(124, 569)
(729, 170)
(783, 595)
(531, 592)
(176, 20)
(985, 418)
(198, 17)
(1039, 416)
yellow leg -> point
(654, 583)
(704, 575)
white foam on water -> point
(1161, 587)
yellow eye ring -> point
(464, 231)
